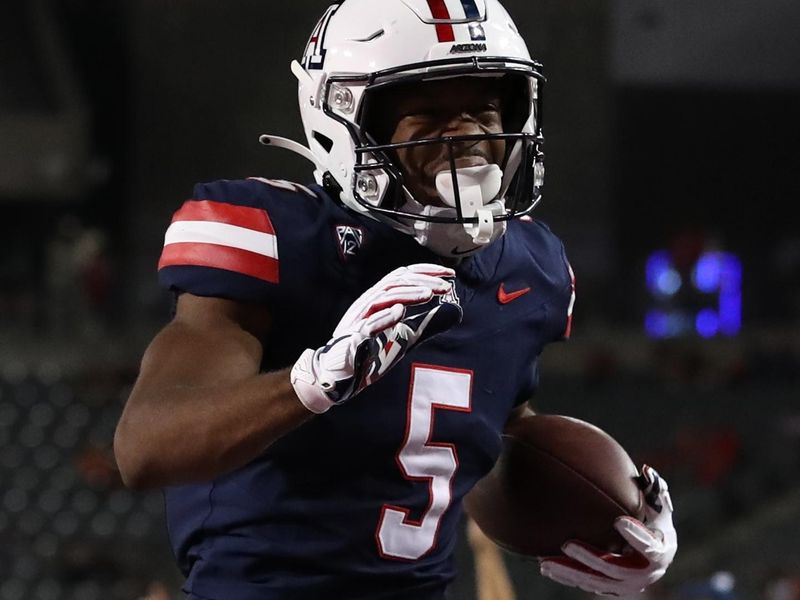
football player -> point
(344, 355)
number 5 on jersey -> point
(420, 459)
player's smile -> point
(452, 107)
(473, 155)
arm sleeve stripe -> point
(568, 328)
(220, 257)
(222, 234)
(221, 212)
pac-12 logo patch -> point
(350, 239)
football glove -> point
(652, 546)
(406, 307)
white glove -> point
(652, 546)
(375, 333)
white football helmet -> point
(362, 46)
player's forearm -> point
(184, 434)
(491, 576)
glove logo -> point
(451, 296)
(350, 239)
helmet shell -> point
(361, 45)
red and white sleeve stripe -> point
(205, 233)
(568, 328)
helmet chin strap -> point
(477, 188)
(477, 191)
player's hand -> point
(406, 307)
(652, 546)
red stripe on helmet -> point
(444, 31)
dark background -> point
(668, 125)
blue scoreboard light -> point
(704, 299)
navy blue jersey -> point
(362, 501)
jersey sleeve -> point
(531, 384)
(222, 243)
(558, 284)
(567, 302)
(562, 299)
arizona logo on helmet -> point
(314, 56)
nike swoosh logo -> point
(505, 297)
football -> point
(557, 479)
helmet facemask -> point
(473, 200)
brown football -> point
(557, 479)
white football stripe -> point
(572, 296)
(456, 9)
(209, 232)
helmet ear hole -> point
(516, 102)
(324, 141)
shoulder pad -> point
(224, 241)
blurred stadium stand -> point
(731, 451)
(44, 117)
(70, 529)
